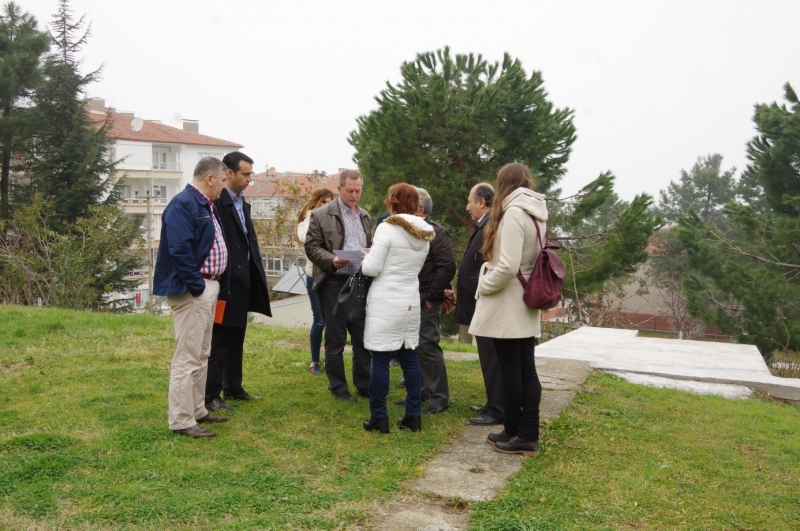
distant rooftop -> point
(152, 130)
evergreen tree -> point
(21, 46)
(454, 121)
(70, 165)
(705, 189)
(746, 278)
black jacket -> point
(468, 274)
(244, 285)
(439, 267)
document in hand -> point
(353, 256)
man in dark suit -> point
(479, 205)
(243, 287)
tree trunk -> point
(463, 335)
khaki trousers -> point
(193, 321)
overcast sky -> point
(654, 84)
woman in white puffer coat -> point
(398, 252)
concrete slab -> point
(704, 388)
(701, 361)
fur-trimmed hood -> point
(415, 229)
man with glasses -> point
(243, 288)
(340, 225)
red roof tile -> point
(264, 185)
(156, 132)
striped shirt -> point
(217, 260)
(355, 239)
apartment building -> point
(156, 162)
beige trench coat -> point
(499, 309)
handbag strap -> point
(541, 246)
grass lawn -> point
(84, 444)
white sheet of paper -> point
(353, 256)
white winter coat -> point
(499, 308)
(398, 251)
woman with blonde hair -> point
(319, 197)
(398, 252)
(511, 244)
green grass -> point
(634, 457)
(84, 444)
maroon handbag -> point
(542, 291)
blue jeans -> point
(379, 382)
(319, 320)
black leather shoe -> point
(209, 418)
(485, 420)
(410, 423)
(480, 410)
(196, 432)
(381, 424)
(244, 395)
(433, 409)
(217, 405)
(518, 446)
(364, 392)
(494, 438)
(345, 396)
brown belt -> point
(210, 277)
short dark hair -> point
(232, 160)
(484, 191)
(402, 198)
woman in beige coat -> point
(511, 244)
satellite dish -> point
(137, 124)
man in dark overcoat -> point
(243, 287)
(479, 206)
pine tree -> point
(21, 46)
(705, 189)
(70, 164)
(454, 121)
(746, 278)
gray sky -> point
(653, 84)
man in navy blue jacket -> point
(191, 259)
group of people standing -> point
(411, 260)
(209, 267)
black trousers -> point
(521, 386)
(431, 358)
(225, 362)
(492, 377)
(336, 330)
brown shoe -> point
(212, 418)
(195, 432)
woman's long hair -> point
(317, 197)
(509, 178)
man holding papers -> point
(340, 226)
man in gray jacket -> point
(340, 225)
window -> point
(274, 266)
(159, 159)
(264, 207)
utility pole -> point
(149, 251)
